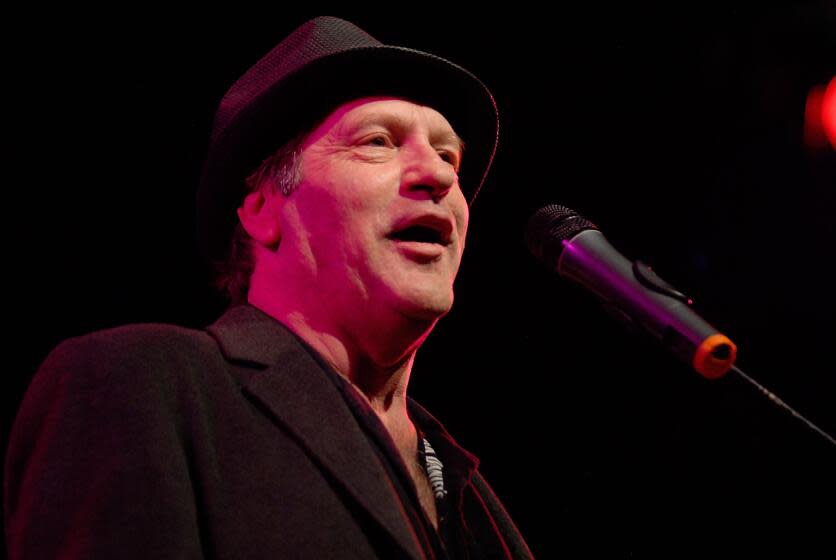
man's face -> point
(378, 221)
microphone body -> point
(574, 248)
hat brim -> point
(298, 101)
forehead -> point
(388, 112)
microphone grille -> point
(549, 227)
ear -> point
(259, 215)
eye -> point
(450, 158)
(378, 140)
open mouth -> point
(420, 234)
(429, 230)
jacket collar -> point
(247, 334)
(315, 412)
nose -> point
(426, 173)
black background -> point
(678, 131)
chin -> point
(419, 299)
(428, 308)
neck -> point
(376, 359)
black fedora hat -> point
(319, 66)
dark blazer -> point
(156, 441)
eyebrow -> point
(395, 121)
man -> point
(284, 430)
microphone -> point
(573, 246)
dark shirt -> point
(451, 539)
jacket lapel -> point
(299, 395)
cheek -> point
(339, 229)
(312, 224)
(462, 216)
